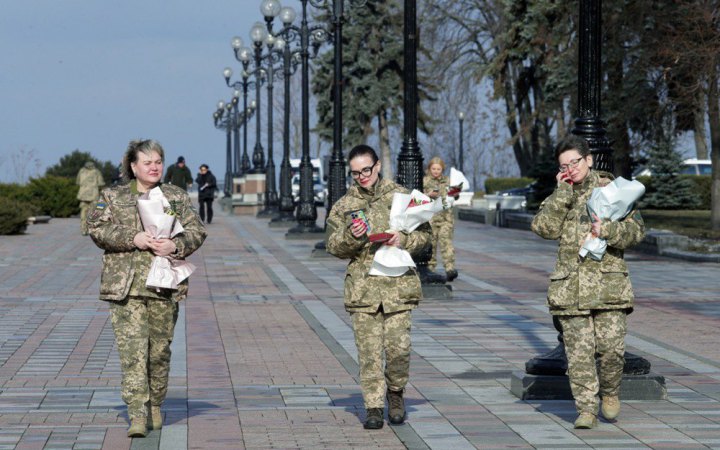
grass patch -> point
(691, 223)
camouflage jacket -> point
(113, 224)
(90, 181)
(431, 183)
(365, 293)
(577, 284)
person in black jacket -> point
(207, 184)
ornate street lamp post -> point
(243, 55)
(258, 35)
(461, 118)
(307, 212)
(410, 159)
(290, 34)
(218, 116)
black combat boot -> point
(451, 274)
(396, 407)
(374, 419)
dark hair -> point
(363, 150)
(205, 166)
(146, 146)
(572, 142)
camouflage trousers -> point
(601, 333)
(84, 208)
(442, 237)
(377, 334)
(143, 332)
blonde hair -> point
(136, 146)
(435, 160)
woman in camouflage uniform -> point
(143, 319)
(590, 298)
(443, 223)
(380, 306)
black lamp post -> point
(258, 35)
(307, 212)
(410, 159)
(290, 34)
(218, 117)
(244, 166)
(461, 118)
(589, 126)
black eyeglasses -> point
(364, 172)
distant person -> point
(90, 180)
(143, 318)
(436, 185)
(117, 175)
(179, 174)
(207, 185)
(591, 299)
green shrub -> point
(13, 215)
(701, 188)
(493, 185)
(55, 196)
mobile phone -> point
(359, 216)
(436, 190)
(566, 178)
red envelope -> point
(380, 237)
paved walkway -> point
(264, 355)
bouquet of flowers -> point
(457, 184)
(159, 218)
(611, 202)
(408, 211)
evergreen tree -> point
(70, 164)
(670, 190)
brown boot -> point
(396, 407)
(138, 427)
(610, 407)
(586, 421)
(374, 419)
(155, 420)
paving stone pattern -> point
(264, 356)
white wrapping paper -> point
(165, 272)
(457, 178)
(611, 202)
(391, 261)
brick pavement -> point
(264, 355)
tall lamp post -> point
(461, 118)
(290, 34)
(410, 159)
(589, 126)
(258, 35)
(307, 212)
(243, 85)
(218, 116)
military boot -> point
(138, 427)
(610, 407)
(586, 420)
(374, 419)
(396, 407)
(155, 416)
(451, 274)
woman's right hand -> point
(358, 228)
(564, 177)
(142, 240)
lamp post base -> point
(267, 212)
(557, 387)
(282, 219)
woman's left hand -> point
(395, 240)
(596, 226)
(162, 247)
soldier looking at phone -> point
(590, 298)
(437, 185)
(380, 306)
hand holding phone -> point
(564, 177)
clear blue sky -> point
(93, 74)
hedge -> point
(13, 215)
(702, 186)
(56, 196)
(493, 185)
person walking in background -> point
(90, 180)
(590, 298)
(207, 185)
(143, 318)
(380, 306)
(436, 185)
(179, 174)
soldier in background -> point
(179, 174)
(590, 298)
(436, 185)
(90, 180)
(143, 319)
(379, 306)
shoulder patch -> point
(100, 205)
